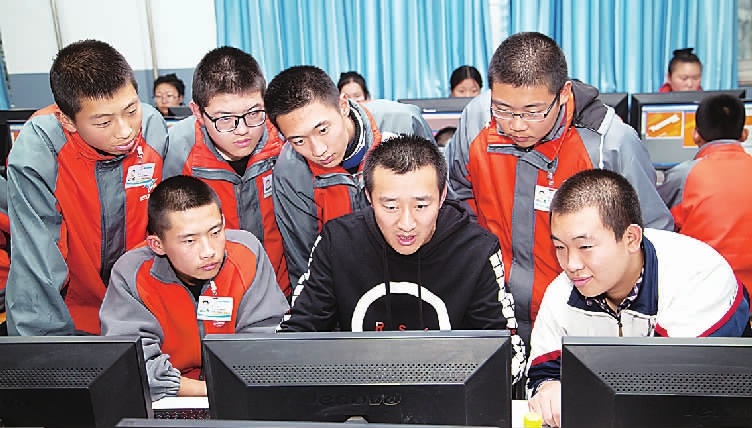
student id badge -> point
(140, 175)
(212, 308)
(543, 197)
(267, 186)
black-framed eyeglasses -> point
(527, 116)
(229, 123)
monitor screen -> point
(11, 122)
(656, 382)
(684, 97)
(423, 377)
(179, 111)
(619, 101)
(439, 112)
(85, 381)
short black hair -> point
(720, 117)
(226, 70)
(88, 69)
(178, 193)
(609, 192)
(465, 72)
(298, 87)
(444, 134)
(529, 59)
(683, 55)
(403, 154)
(171, 79)
(353, 77)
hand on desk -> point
(191, 387)
(547, 403)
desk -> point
(519, 407)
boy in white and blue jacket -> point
(621, 280)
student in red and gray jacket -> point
(79, 180)
(710, 196)
(319, 173)
(192, 278)
(229, 144)
(515, 146)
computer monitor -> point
(179, 111)
(71, 381)
(11, 122)
(655, 382)
(619, 101)
(418, 377)
(666, 121)
(439, 112)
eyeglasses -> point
(229, 123)
(167, 97)
(528, 116)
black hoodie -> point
(356, 281)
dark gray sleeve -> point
(124, 314)
(263, 305)
(39, 270)
(295, 211)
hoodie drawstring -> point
(388, 299)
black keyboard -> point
(181, 413)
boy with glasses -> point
(515, 146)
(229, 144)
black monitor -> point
(89, 381)
(179, 111)
(439, 113)
(11, 122)
(418, 377)
(666, 121)
(655, 382)
(619, 101)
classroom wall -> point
(184, 30)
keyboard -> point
(200, 413)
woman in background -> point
(168, 92)
(684, 72)
(354, 86)
(465, 82)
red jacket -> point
(711, 200)
(74, 212)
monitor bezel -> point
(212, 340)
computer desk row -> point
(519, 407)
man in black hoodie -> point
(411, 261)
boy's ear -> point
(344, 106)
(155, 244)
(633, 235)
(66, 121)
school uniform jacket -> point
(357, 282)
(73, 212)
(498, 180)
(307, 195)
(146, 298)
(247, 202)
(688, 290)
(711, 200)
